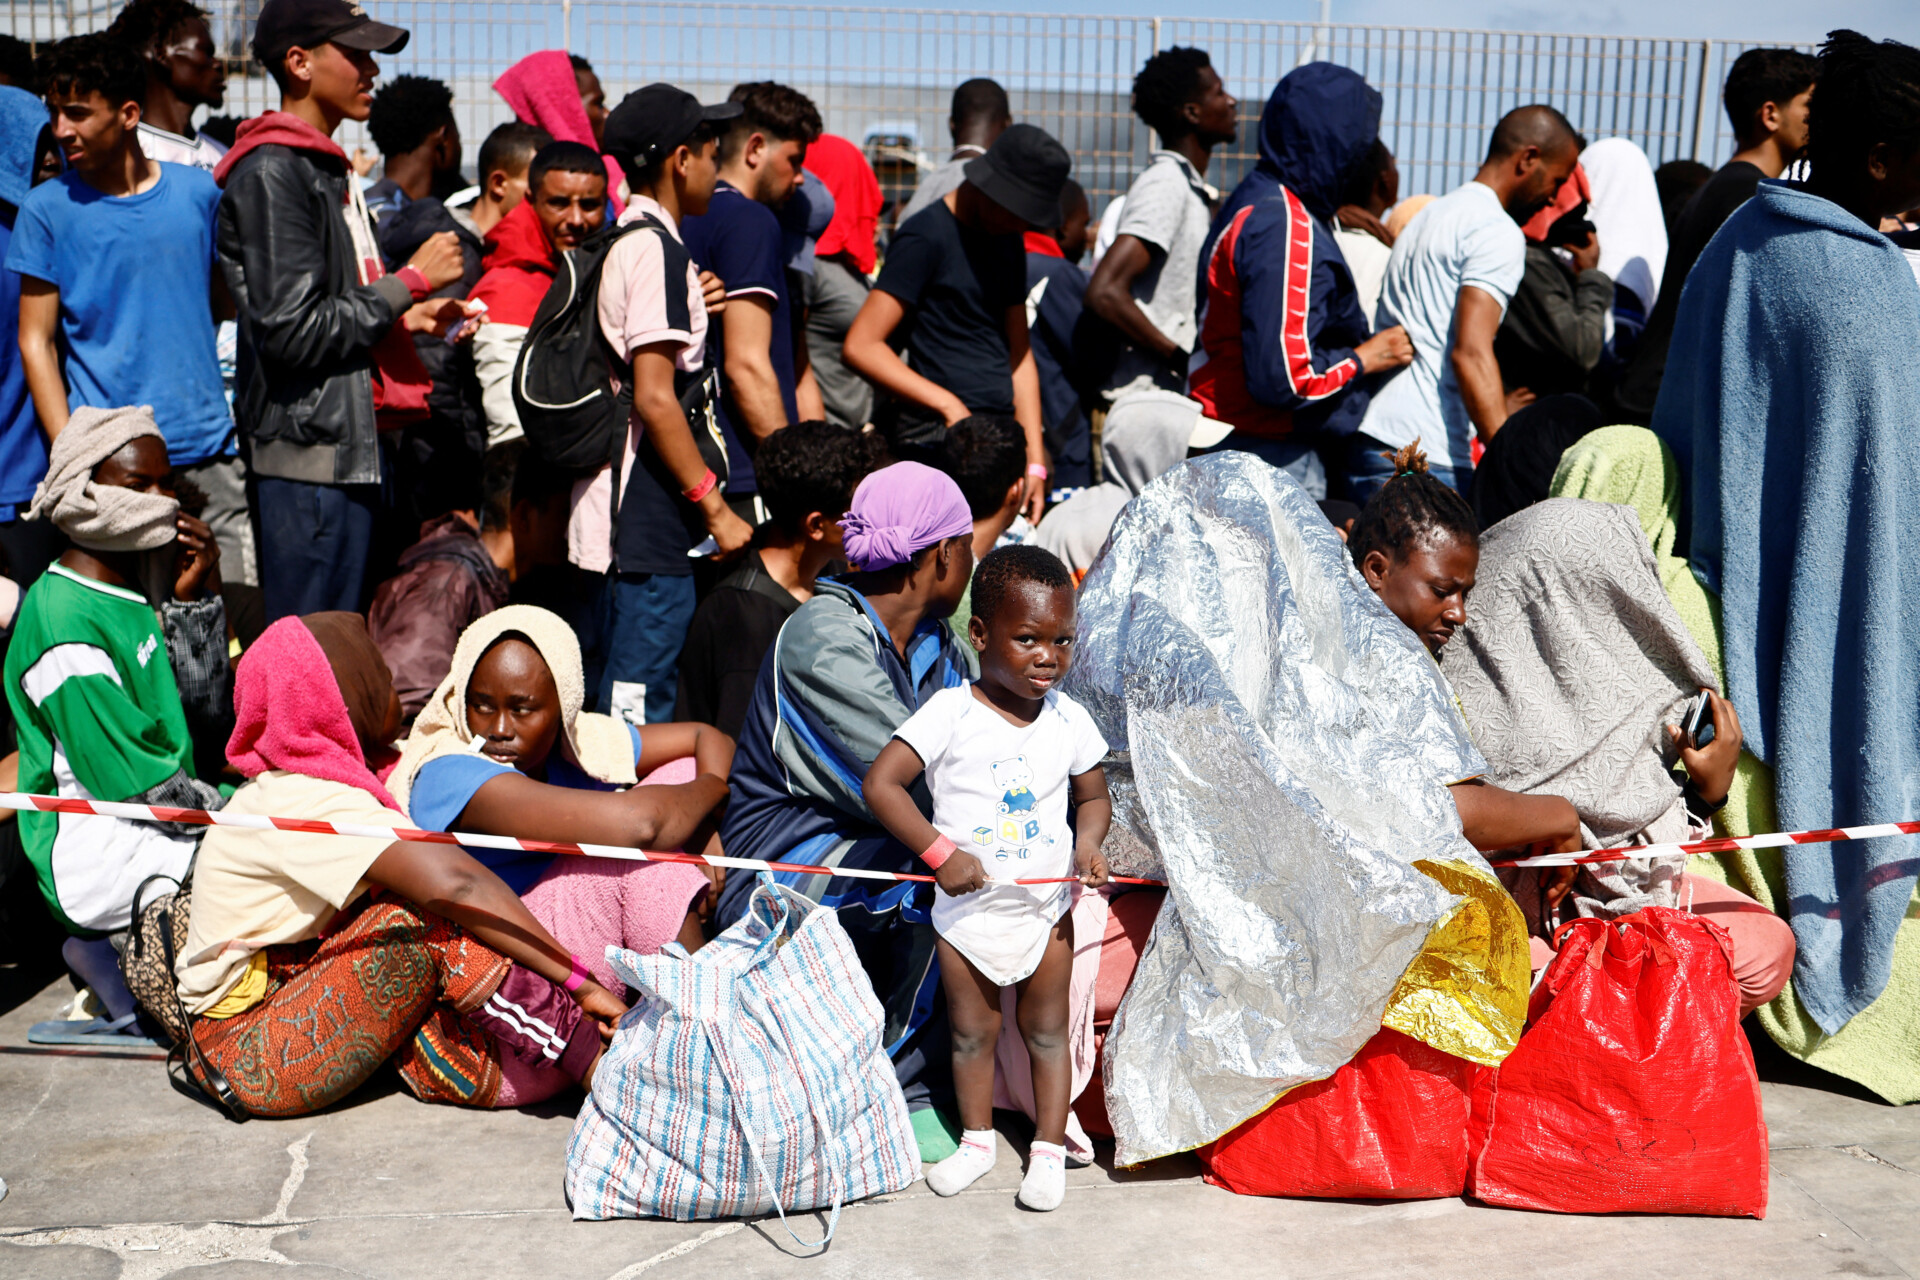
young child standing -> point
(999, 756)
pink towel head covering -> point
(900, 510)
(542, 91)
(290, 713)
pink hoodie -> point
(542, 91)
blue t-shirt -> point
(740, 240)
(23, 449)
(133, 274)
(444, 787)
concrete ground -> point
(110, 1173)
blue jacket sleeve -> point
(1296, 358)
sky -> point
(1746, 20)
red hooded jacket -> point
(520, 266)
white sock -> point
(1079, 1145)
(1045, 1185)
(972, 1162)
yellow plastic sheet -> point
(1466, 992)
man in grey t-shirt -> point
(980, 114)
(1145, 285)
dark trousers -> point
(643, 626)
(314, 540)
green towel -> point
(1880, 1047)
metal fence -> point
(887, 73)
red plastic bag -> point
(1633, 1089)
(1390, 1125)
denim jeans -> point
(313, 544)
(1297, 459)
(643, 626)
(1369, 465)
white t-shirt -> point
(198, 152)
(1000, 792)
(1463, 238)
(1166, 209)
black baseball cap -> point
(649, 123)
(284, 24)
(1023, 172)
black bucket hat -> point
(1023, 173)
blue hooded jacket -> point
(23, 450)
(1269, 365)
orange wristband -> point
(938, 852)
(702, 489)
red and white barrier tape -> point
(261, 822)
(1724, 844)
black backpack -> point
(569, 385)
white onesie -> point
(1000, 792)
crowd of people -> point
(657, 485)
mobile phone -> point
(469, 324)
(1700, 720)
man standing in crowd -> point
(503, 177)
(174, 42)
(739, 239)
(298, 252)
(1284, 344)
(1145, 284)
(1365, 243)
(115, 217)
(1452, 272)
(436, 462)
(1766, 99)
(807, 476)
(1056, 305)
(28, 545)
(843, 260)
(566, 200)
(980, 114)
(654, 314)
(412, 123)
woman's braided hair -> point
(1409, 509)
(1868, 92)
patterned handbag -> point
(153, 940)
(751, 1076)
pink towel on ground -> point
(542, 91)
(586, 903)
(288, 713)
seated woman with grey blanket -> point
(1573, 672)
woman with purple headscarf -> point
(848, 668)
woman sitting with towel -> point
(313, 958)
(503, 748)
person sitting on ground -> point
(1555, 331)
(1144, 286)
(448, 579)
(808, 473)
(1517, 469)
(1417, 545)
(851, 665)
(1008, 754)
(566, 200)
(544, 769)
(1820, 645)
(1576, 674)
(1290, 372)
(104, 706)
(502, 169)
(419, 949)
(980, 114)
(1451, 274)
(1147, 434)
(956, 278)
(1059, 335)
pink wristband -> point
(578, 978)
(1036, 470)
(702, 489)
(416, 281)
(938, 852)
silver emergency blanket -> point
(1282, 750)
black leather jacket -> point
(304, 394)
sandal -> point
(119, 1033)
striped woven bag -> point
(750, 1077)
